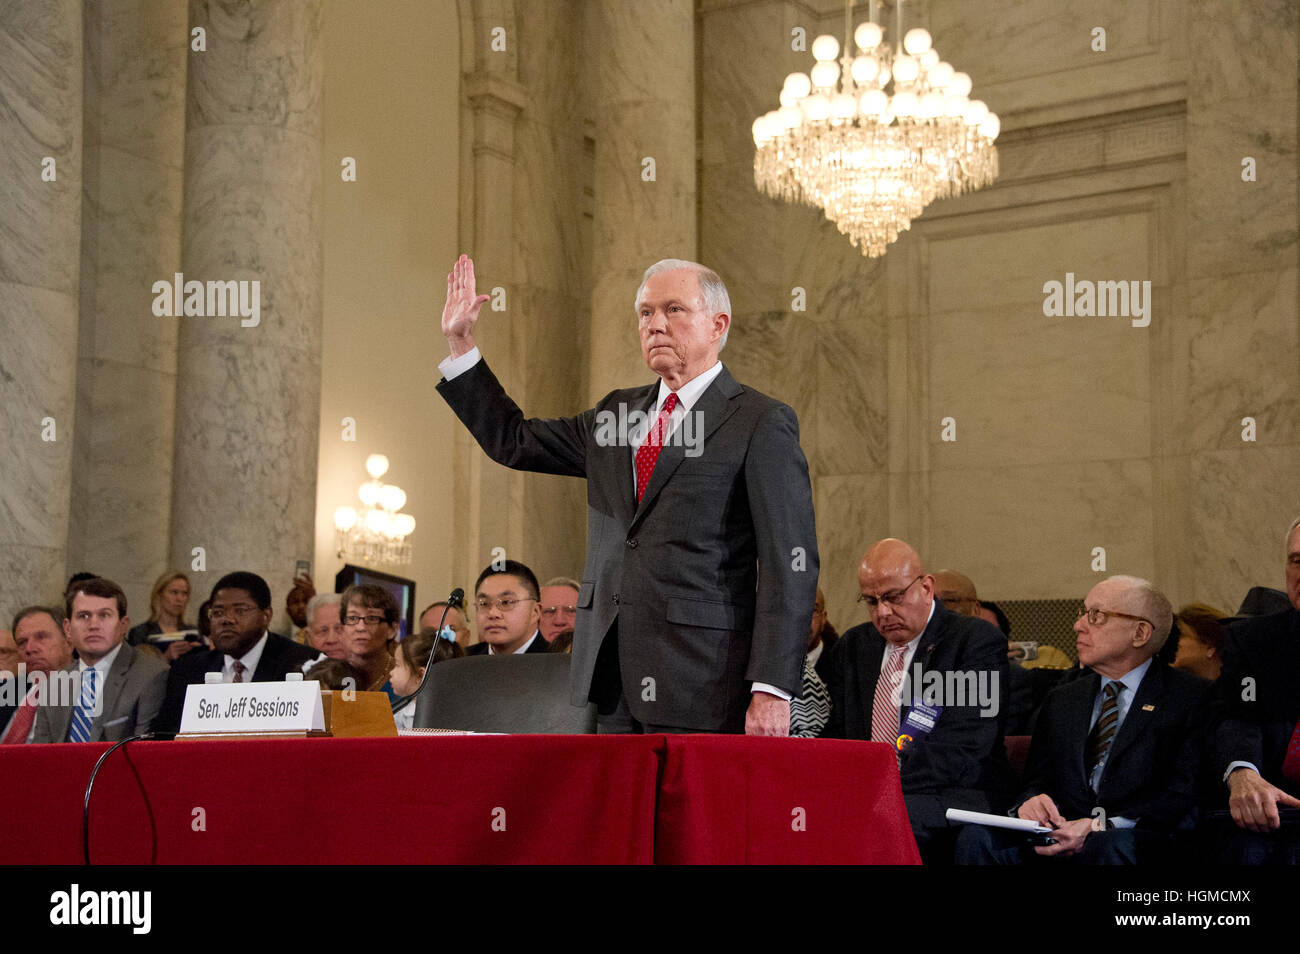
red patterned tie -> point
(21, 724)
(240, 669)
(884, 711)
(1291, 764)
(648, 453)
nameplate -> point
(241, 708)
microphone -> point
(457, 599)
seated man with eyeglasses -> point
(928, 682)
(559, 607)
(506, 601)
(1115, 756)
(238, 616)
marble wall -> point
(248, 391)
(135, 59)
(1072, 433)
(40, 228)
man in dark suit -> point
(1257, 738)
(1116, 753)
(113, 690)
(678, 628)
(245, 651)
(43, 647)
(509, 614)
(939, 702)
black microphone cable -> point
(90, 787)
(457, 599)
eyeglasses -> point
(552, 610)
(1097, 617)
(893, 599)
(374, 620)
(505, 604)
(217, 613)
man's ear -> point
(726, 323)
(1140, 640)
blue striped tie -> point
(79, 731)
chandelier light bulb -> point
(759, 129)
(917, 41)
(864, 69)
(825, 48)
(787, 117)
(825, 74)
(874, 102)
(345, 518)
(376, 465)
(960, 84)
(991, 126)
(929, 59)
(369, 493)
(403, 525)
(940, 75)
(844, 106)
(931, 105)
(816, 108)
(976, 113)
(788, 98)
(798, 84)
(392, 498)
(906, 69)
(376, 521)
(954, 106)
(905, 104)
(868, 36)
(882, 78)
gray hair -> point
(1146, 601)
(564, 581)
(322, 599)
(1286, 544)
(714, 292)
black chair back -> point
(527, 694)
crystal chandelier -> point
(379, 533)
(870, 156)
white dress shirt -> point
(492, 650)
(250, 660)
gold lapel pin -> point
(1148, 708)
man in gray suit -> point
(113, 690)
(701, 565)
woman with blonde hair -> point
(167, 603)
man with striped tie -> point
(1115, 756)
(118, 689)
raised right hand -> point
(460, 313)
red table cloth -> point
(732, 799)
(460, 800)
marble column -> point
(248, 386)
(1241, 335)
(644, 62)
(490, 498)
(40, 222)
(130, 238)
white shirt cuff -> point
(764, 687)
(1233, 766)
(451, 367)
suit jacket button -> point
(632, 544)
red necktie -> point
(1291, 764)
(239, 671)
(648, 453)
(884, 710)
(21, 724)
